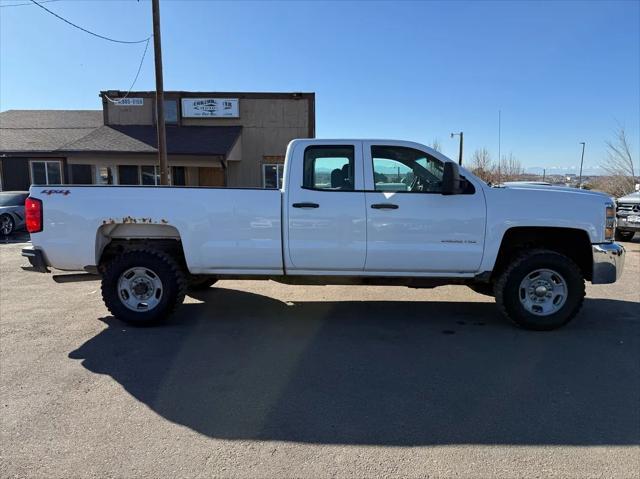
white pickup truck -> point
(372, 212)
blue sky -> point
(560, 72)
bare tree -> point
(482, 166)
(435, 144)
(510, 168)
(619, 165)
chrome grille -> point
(628, 208)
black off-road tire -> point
(200, 284)
(486, 289)
(508, 284)
(173, 280)
(624, 235)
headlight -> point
(610, 222)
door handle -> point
(306, 205)
(384, 206)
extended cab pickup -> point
(350, 212)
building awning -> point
(181, 140)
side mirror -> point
(451, 179)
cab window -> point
(329, 168)
(398, 168)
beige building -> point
(213, 139)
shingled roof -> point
(24, 131)
(83, 131)
(181, 140)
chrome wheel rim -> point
(140, 289)
(543, 292)
(5, 225)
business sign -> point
(129, 102)
(210, 108)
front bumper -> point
(36, 258)
(624, 225)
(608, 262)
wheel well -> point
(117, 246)
(571, 242)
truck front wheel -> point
(540, 290)
(143, 286)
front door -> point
(326, 212)
(411, 226)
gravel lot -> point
(256, 379)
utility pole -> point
(162, 134)
(581, 162)
(461, 135)
(499, 142)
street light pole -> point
(162, 135)
(461, 135)
(581, 162)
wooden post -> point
(162, 135)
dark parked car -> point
(628, 213)
(12, 211)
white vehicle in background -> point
(628, 214)
(373, 212)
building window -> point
(129, 174)
(81, 175)
(272, 176)
(106, 175)
(46, 173)
(171, 112)
(178, 176)
(149, 175)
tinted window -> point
(81, 175)
(13, 199)
(149, 176)
(128, 175)
(397, 168)
(329, 168)
(178, 176)
(38, 173)
(171, 111)
(54, 176)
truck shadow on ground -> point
(245, 366)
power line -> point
(87, 31)
(25, 3)
(119, 100)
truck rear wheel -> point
(143, 286)
(540, 290)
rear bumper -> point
(36, 258)
(608, 262)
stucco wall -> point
(268, 123)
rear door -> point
(411, 226)
(324, 204)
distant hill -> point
(556, 170)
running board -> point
(75, 278)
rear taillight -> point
(33, 214)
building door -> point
(209, 176)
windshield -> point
(13, 199)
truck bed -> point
(222, 230)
